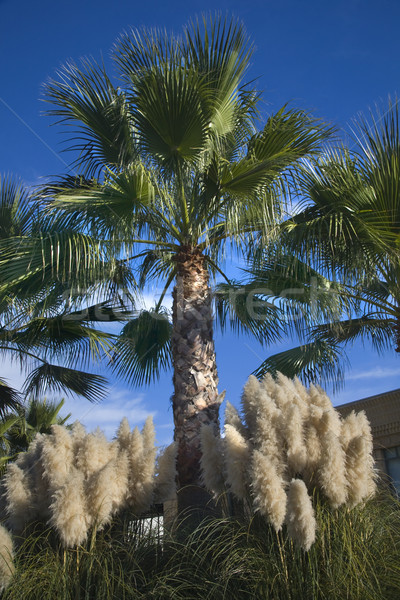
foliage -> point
(172, 158)
(355, 557)
(77, 482)
(347, 227)
(36, 417)
(291, 450)
(47, 322)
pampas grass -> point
(18, 493)
(77, 482)
(332, 470)
(268, 489)
(300, 518)
(211, 459)
(165, 486)
(237, 455)
(291, 446)
(70, 516)
(6, 558)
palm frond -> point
(245, 311)
(317, 361)
(143, 348)
(377, 330)
(85, 97)
(56, 378)
(10, 399)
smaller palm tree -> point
(349, 229)
(37, 416)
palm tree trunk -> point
(195, 400)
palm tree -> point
(173, 174)
(44, 317)
(349, 229)
(37, 416)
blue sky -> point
(334, 58)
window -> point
(392, 461)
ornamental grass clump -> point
(290, 450)
(77, 482)
(6, 558)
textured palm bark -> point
(195, 400)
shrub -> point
(290, 450)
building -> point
(383, 412)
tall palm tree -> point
(173, 173)
(349, 229)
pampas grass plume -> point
(211, 459)
(232, 417)
(350, 429)
(300, 517)
(6, 558)
(70, 516)
(332, 470)
(165, 486)
(237, 456)
(93, 453)
(360, 471)
(107, 489)
(19, 497)
(57, 456)
(249, 401)
(142, 456)
(268, 490)
(294, 433)
(267, 432)
(123, 434)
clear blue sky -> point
(334, 58)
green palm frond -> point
(73, 258)
(41, 414)
(143, 348)
(53, 337)
(37, 416)
(248, 311)
(9, 399)
(56, 378)
(376, 329)
(16, 208)
(316, 361)
(86, 99)
(288, 136)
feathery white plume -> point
(70, 516)
(249, 401)
(107, 489)
(123, 434)
(212, 459)
(268, 489)
(232, 417)
(19, 497)
(237, 454)
(332, 469)
(296, 447)
(165, 483)
(300, 517)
